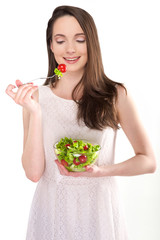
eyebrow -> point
(62, 35)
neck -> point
(67, 83)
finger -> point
(87, 167)
(58, 163)
(90, 169)
(9, 90)
(22, 90)
(27, 92)
(18, 83)
(60, 167)
(63, 169)
(60, 170)
(31, 91)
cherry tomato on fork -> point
(62, 68)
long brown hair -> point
(97, 106)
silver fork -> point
(37, 79)
(40, 78)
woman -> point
(83, 104)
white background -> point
(130, 43)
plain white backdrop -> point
(129, 37)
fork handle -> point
(40, 78)
(37, 79)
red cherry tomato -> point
(62, 68)
(67, 145)
(75, 162)
(85, 147)
(83, 158)
(64, 163)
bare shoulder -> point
(126, 108)
(122, 98)
(122, 94)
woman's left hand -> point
(91, 171)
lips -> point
(71, 59)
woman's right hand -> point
(24, 95)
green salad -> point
(76, 154)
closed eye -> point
(60, 42)
(81, 41)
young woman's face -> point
(69, 44)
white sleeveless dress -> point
(69, 208)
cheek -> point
(83, 50)
(57, 49)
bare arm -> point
(33, 153)
(144, 159)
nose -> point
(70, 48)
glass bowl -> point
(76, 154)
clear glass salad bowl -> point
(76, 154)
